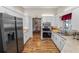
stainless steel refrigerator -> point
(19, 33)
(9, 41)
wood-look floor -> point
(36, 45)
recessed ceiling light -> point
(47, 15)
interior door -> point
(36, 24)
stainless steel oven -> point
(46, 33)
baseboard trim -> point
(27, 40)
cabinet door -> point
(61, 44)
(58, 41)
(55, 39)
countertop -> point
(71, 45)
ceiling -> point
(40, 7)
(37, 11)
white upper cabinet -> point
(50, 19)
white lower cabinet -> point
(62, 43)
(58, 45)
(58, 40)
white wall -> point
(75, 19)
(75, 16)
(37, 12)
(58, 21)
(27, 25)
(25, 28)
(30, 27)
(61, 12)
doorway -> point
(36, 25)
